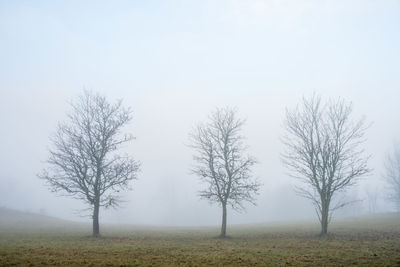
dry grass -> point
(373, 241)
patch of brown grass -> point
(261, 245)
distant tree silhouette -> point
(392, 176)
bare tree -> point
(392, 176)
(323, 150)
(84, 162)
(221, 162)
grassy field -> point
(366, 241)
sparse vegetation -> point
(368, 241)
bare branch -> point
(83, 160)
(323, 150)
(221, 163)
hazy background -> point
(173, 62)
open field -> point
(367, 241)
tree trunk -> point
(223, 227)
(96, 227)
(324, 219)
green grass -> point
(367, 241)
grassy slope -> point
(369, 241)
(13, 220)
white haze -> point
(174, 62)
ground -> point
(366, 241)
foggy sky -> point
(174, 62)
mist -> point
(173, 63)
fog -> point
(174, 62)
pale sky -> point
(173, 62)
